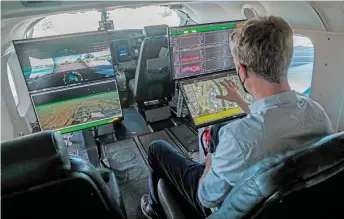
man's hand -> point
(208, 159)
(233, 95)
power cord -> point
(99, 148)
(205, 132)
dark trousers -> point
(180, 172)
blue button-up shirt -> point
(281, 122)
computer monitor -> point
(65, 59)
(200, 96)
(78, 107)
(201, 49)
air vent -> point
(176, 7)
(248, 12)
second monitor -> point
(77, 108)
(66, 59)
(201, 49)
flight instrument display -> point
(200, 96)
(201, 49)
(77, 108)
(66, 59)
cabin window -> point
(67, 23)
(12, 85)
(145, 16)
(301, 67)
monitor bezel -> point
(60, 36)
(192, 80)
(117, 118)
(191, 26)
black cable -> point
(202, 143)
(99, 148)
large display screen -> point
(61, 60)
(201, 49)
(200, 96)
(77, 108)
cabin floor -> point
(125, 148)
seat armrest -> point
(168, 202)
(105, 173)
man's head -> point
(262, 49)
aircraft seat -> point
(153, 83)
(39, 180)
(297, 184)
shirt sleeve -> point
(228, 163)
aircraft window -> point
(67, 23)
(301, 67)
(12, 85)
(128, 18)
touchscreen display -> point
(204, 107)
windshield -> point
(123, 18)
(128, 18)
(67, 23)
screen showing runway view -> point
(61, 60)
(204, 107)
(201, 49)
(73, 109)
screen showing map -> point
(205, 108)
(82, 107)
(66, 59)
(201, 49)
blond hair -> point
(265, 46)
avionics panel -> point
(201, 49)
(66, 59)
(200, 96)
(78, 107)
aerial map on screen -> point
(202, 102)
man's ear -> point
(242, 72)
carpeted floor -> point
(132, 174)
(161, 125)
(160, 135)
(132, 125)
(186, 137)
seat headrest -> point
(293, 170)
(157, 30)
(28, 160)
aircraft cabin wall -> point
(328, 74)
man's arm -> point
(207, 166)
(243, 105)
(222, 170)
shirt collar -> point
(277, 99)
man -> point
(278, 121)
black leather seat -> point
(40, 180)
(299, 184)
(152, 84)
